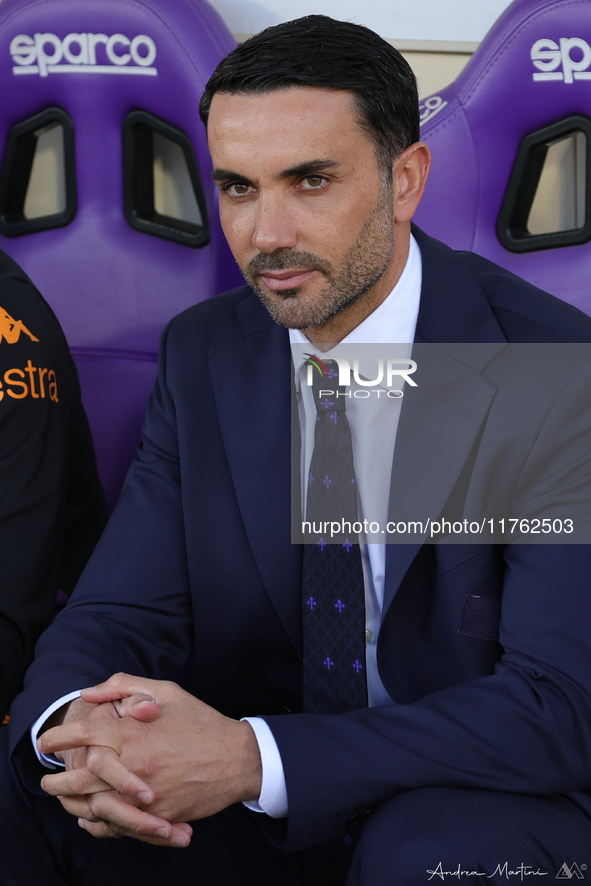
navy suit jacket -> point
(196, 568)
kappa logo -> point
(566, 61)
(45, 54)
(11, 330)
(30, 381)
(573, 871)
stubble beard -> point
(363, 265)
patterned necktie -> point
(333, 589)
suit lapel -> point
(442, 417)
(252, 380)
(439, 426)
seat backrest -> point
(519, 112)
(106, 198)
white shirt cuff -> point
(50, 762)
(273, 796)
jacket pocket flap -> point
(481, 617)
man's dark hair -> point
(319, 51)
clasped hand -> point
(144, 757)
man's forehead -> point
(296, 117)
(296, 103)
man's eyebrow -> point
(307, 167)
(223, 175)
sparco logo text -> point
(568, 60)
(46, 54)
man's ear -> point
(410, 173)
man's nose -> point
(274, 228)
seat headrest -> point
(113, 262)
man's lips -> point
(288, 279)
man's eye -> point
(236, 189)
(312, 182)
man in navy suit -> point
(471, 760)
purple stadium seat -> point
(99, 103)
(525, 94)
